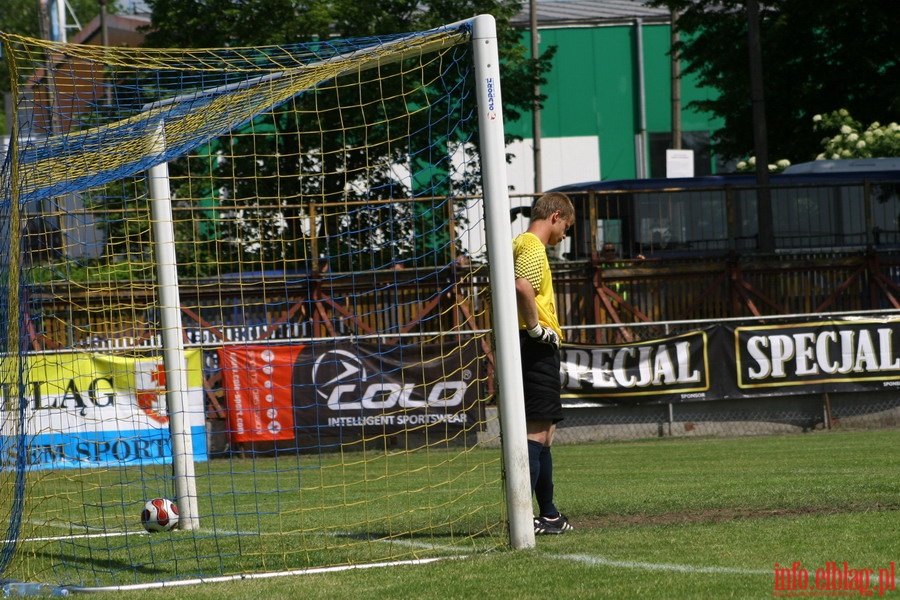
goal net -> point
(252, 281)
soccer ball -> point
(159, 514)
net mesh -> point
(328, 241)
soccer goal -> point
(252, 284)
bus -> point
(821, 206)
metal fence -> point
(794, 414)
(601, 303)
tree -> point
(845, 138)
(818, 57)
(193, 23)
(218, 23)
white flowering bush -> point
(847, 139)
(750, 165)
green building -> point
(610, 98)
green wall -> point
(592, 90)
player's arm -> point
(526, 302)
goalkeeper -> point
(540, 334)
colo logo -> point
(341, 380)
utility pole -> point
(44, 20)
(104, 29)
(536, 106)
(104, 41)
(766, 237)
(676, 83)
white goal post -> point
(499, 242)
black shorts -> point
(540, 374)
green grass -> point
(261, 515)
(670, 518)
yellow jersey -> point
(530, 262)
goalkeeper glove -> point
(544, 334)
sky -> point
(133, 6)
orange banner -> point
(257, 381)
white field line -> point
(645, 566)
(100, 533)
(581, 558)
(247, 576)
(109, 534)
(412, 544)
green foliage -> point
(817, 56)
(845, 138)
(217, 23)
(271, 189)
(99, 272)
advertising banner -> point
(257, 381)
(662, 370)
(829, 356)
(725, 361)
(340, 388)
(336, 388)
(92, 410)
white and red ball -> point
(159, 514)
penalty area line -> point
(222, 532)
(400, 542)
(645, 566)
(98, 533)
(248, 576)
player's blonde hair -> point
(549, 203)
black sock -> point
(534, 461)
(543, 487)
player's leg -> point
(548, 514)
(540, 364)
(538, 436)
(543, 483)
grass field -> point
(667, 518)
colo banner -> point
(727, 362)
(350, 389)
(91, 410)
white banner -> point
(87, 410)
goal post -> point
(268, 283)
(497, 206)
(172, 334)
